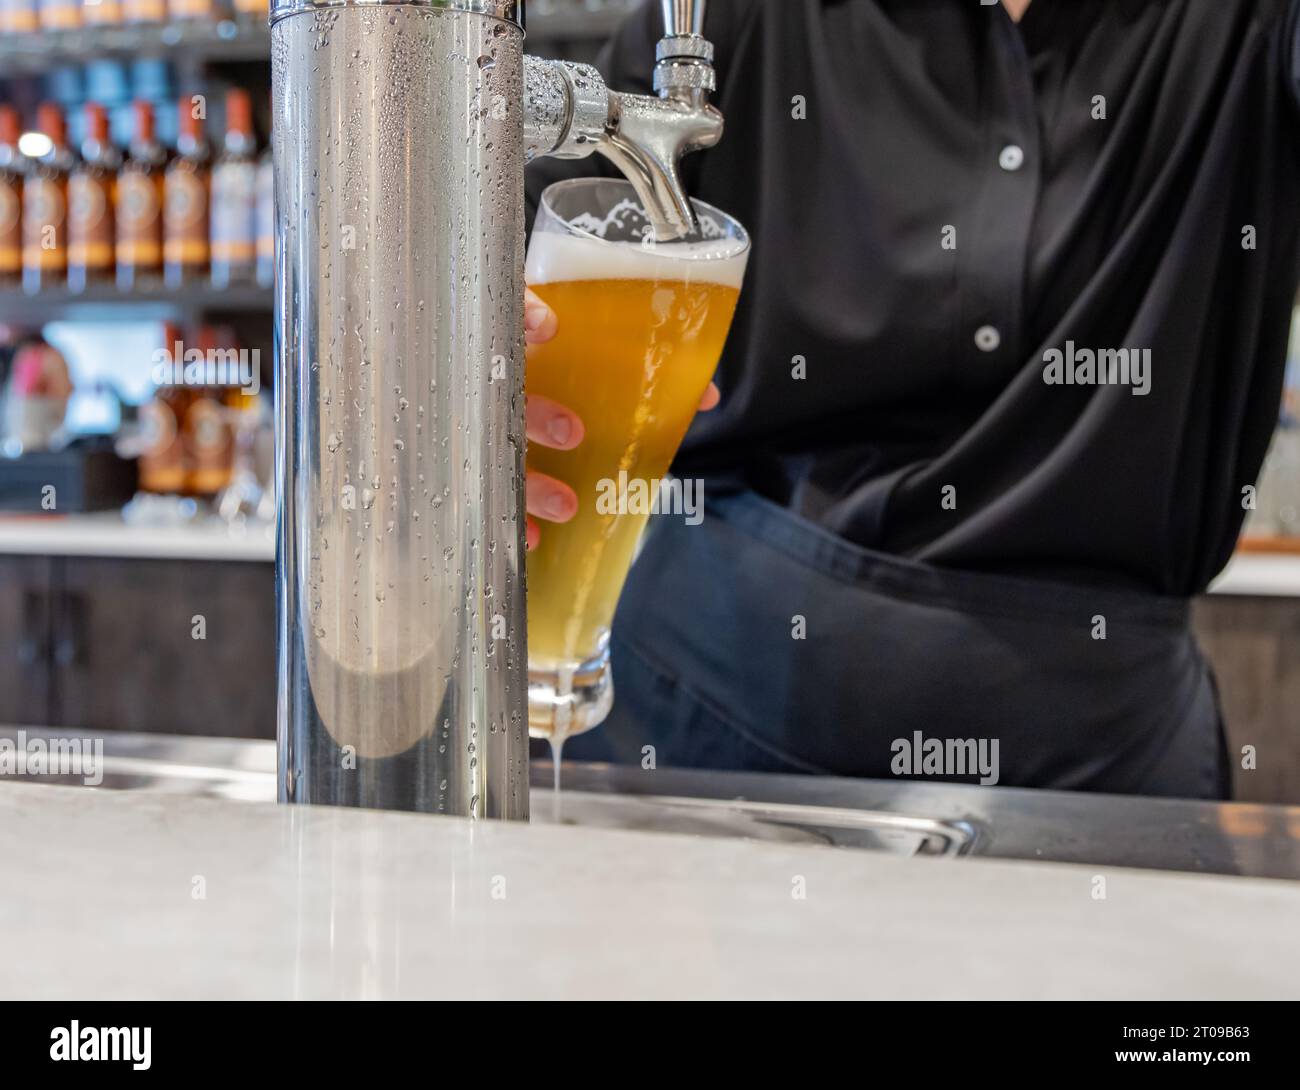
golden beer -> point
(641, 329)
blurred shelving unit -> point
(100, 303)
(198, 49)
(201, 53)
(246, 38)
(223, 40)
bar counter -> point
(138, 893)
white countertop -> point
(99, 891)
(1270, 575)
(106, 534)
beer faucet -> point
(570, 113)
(400, 132)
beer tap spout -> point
(570, 113)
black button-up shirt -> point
(941, 200)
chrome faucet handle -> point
(684, 57)
(683, 17)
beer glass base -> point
(568, 699)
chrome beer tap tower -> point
(400, 136)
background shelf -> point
(105, 302)
(248, 38)
(227, 40)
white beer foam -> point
(554, 257)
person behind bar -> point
(1007, 361)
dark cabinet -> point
(1254, 647)
(188, 647)
(154, 645)
(26, 601)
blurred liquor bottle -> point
(206, 432)
(234, 197)
(185, 198)
(244, 497)
(139, 205)
(45, 206)
(144, 11)
(92, 192)
(60, 14)
(13, 165)
(188, 425)
(162, 463)
(101, 12)
(19, 17)
(206, 10)
(253, 9)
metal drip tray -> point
(900, 817)
(778, 822)
(245, 771)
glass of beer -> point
(641, 328)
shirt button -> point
(987, 338)
(1012, 157)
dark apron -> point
(708, 672)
